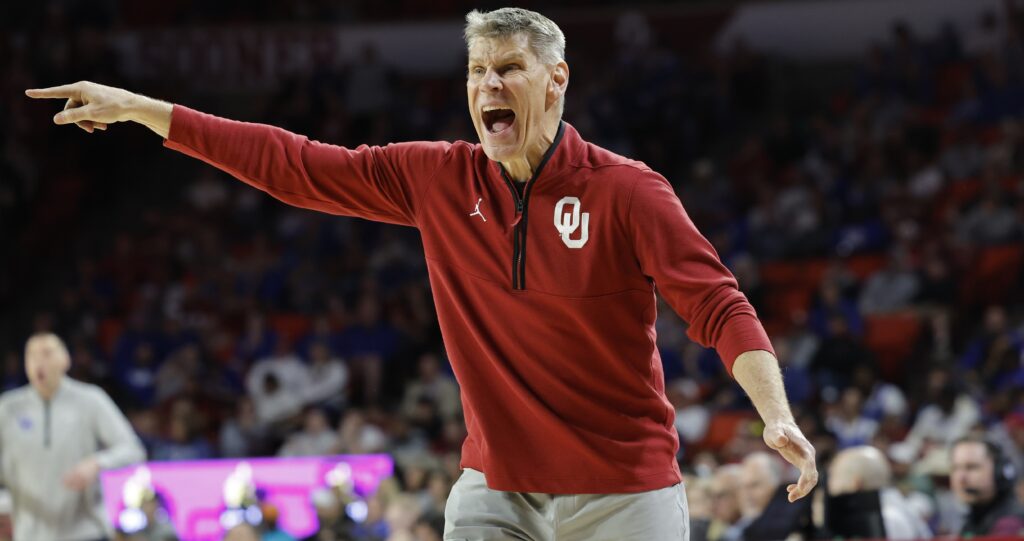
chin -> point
(500, 153)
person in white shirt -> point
(56, 435)
(277, 386)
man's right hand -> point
(93, 106)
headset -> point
(1004, 473)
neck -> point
(522, 168)
(47, 394)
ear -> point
(558, 84)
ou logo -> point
(567, 222)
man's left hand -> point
(789, 441)
(83, 475)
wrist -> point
(152, 113)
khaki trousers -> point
(477, 513)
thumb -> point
(71, 116)
(775, 437)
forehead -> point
(970, 452)
(485, 49)
(42, 344)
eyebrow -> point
(507, 59)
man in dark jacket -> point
(982, 479)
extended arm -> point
(380, 183)
(758, 373)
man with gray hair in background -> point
(865, 469)
(766, 515)
(543, 253)
(56, 435)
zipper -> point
(522, 207)
(46, 424)
(517, 247)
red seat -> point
(995, 275)
(722, 428)
(891, 337)
(290, 327)
(865, 265)
(107, 333)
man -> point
(543, 251)
(982, 479)
(726, 513)
(766, 515)
(56, 434)
(864, 469)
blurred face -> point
(316, 421)
(840, 480)
(725, 504)
(758, 488)
(46, 362)
(971, 473)
(512, 95)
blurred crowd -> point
(876, 224)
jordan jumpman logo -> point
(477, 211)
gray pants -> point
(477, 513)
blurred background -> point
(856, 163)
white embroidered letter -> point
(575, 220)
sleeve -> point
(373, 182)
(328, 385)
(121, 446)
(688, 273)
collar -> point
(564, 147)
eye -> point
(476, 71)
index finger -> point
(62, 91)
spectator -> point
(433, 384)
(692, 415)
(989, 222)
(316, 437)
(865, 469)
(882, 399)
(182, 442)
(368, 343)
(892, 288)
(850, 426)
(699, 500)
(761, 478)
(158, 525)
(947, 417)
(242, 434)
(767, 512)
(357, 435)
(242, 532)
(138, 379)
(328, 378)
(838, 355)
(983, 480)
(726, 510)
(277, 385)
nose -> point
(491, 81)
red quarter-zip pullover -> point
(546, 301)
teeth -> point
(489, 108)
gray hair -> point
(546, 40)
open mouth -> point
(498, 119)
